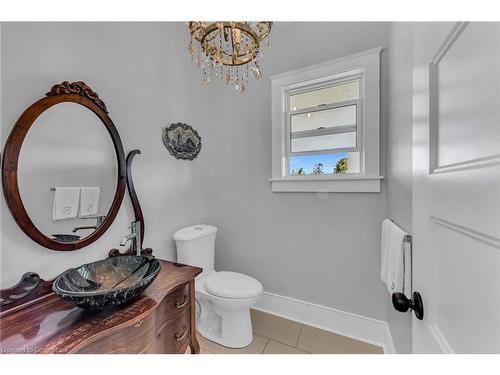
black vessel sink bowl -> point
(107, 282)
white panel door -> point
(456, 201)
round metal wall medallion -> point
(182, 141)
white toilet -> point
(223, 298)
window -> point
(325, 126)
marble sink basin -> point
(107, 282)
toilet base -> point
(219, 340)
(225, 321)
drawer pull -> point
(138, 324)
(180, 305)
(183, 336)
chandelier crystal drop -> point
(228, 50)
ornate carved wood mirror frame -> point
(75, 92)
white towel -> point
(386, 232)
(396, 264)
(89, 201)
(66, 200)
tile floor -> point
(276, 335)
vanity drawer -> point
(174, 331)
(173, 307)
(132, 339)
(173, 338)
(167, 330)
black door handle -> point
(402, 303)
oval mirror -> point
(64, 168)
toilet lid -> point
(233, 285)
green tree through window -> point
(341, 166)
(299, 172)
(318, 168)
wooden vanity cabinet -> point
(162, 320)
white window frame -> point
(365, 66)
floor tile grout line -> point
(265, 346)
(278, 341)
(272, 316)
(302, 350)
(298, 337)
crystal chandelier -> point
(228, 50)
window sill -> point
(337, 184)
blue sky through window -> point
(307, 162)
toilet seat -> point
(232, 285)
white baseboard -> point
(369, 330)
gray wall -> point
(322, 248)
(399, 157)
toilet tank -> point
(196, 246)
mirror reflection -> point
(67, 172)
